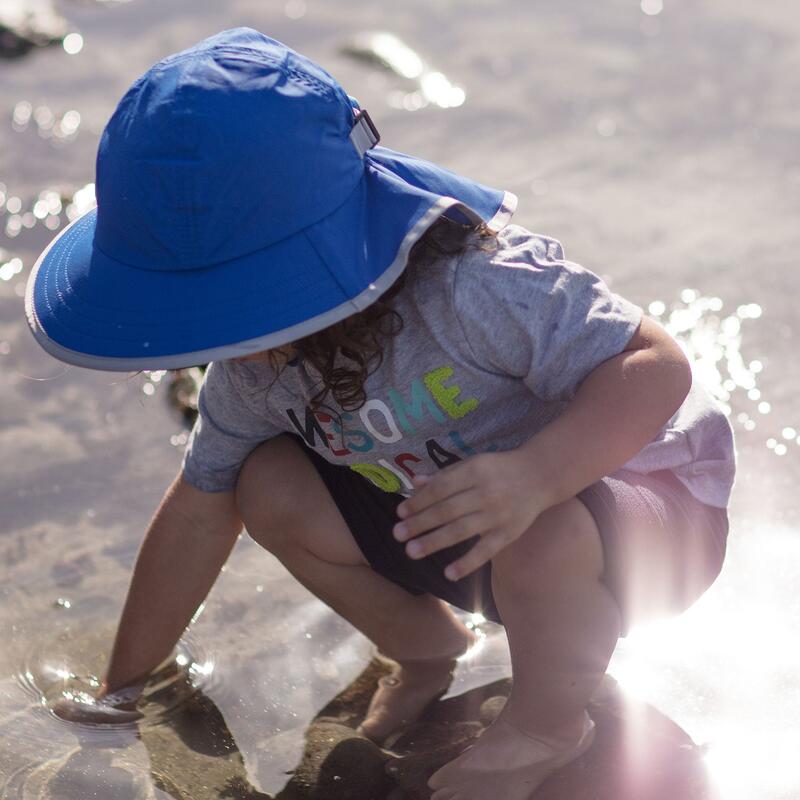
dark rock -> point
(422, 737)
(239, 789)
(350, 705)
(338, 764)
(466, 707)
(411, 772)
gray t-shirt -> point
(494, 345)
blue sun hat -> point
(242, 203)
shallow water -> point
(658, 142)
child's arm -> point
(187, 542)
(619, 407)
(617, 410)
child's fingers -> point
(451, 480)
(483, 551)
(447, 510)
(447, 535)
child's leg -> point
(656, 547)
(561, 620)
(562, 625)
(287, 509)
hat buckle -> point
(363, 134)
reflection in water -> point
(60, 129)
(51, 207)
(740, 696)
(390, 52)
(79, 773)
(713, 343)
(652, 7)
(73, 43)
(295, 9)
(25, 24)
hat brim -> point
(90, 310)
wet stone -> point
(411, 773)
(423, 737)
(339, 764)
(490, 709)
(467, 706)
(350, 705)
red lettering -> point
(323, 417)
(401, 462)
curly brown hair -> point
(361, 338)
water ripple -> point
(50, 681)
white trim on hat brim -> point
(270, 340)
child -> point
(412, 402)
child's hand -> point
(104, 709)
(492, 494)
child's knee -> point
(562, 546)
(268, 493)
(287, 509)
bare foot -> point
(402, 695)
(504, 762)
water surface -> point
(657, 141)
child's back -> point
(495, 341)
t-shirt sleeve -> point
(527, 312)
(225, 432)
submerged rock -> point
(339, 764)
(432, 746)
(490, 709)
(467, 706)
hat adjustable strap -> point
(364, 134)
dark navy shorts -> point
(654, 513)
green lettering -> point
(446, 395)
(380, 476)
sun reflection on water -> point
(391, 53)
(713, 342)
(73, 43)
(726, 670)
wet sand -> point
(661, 148)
